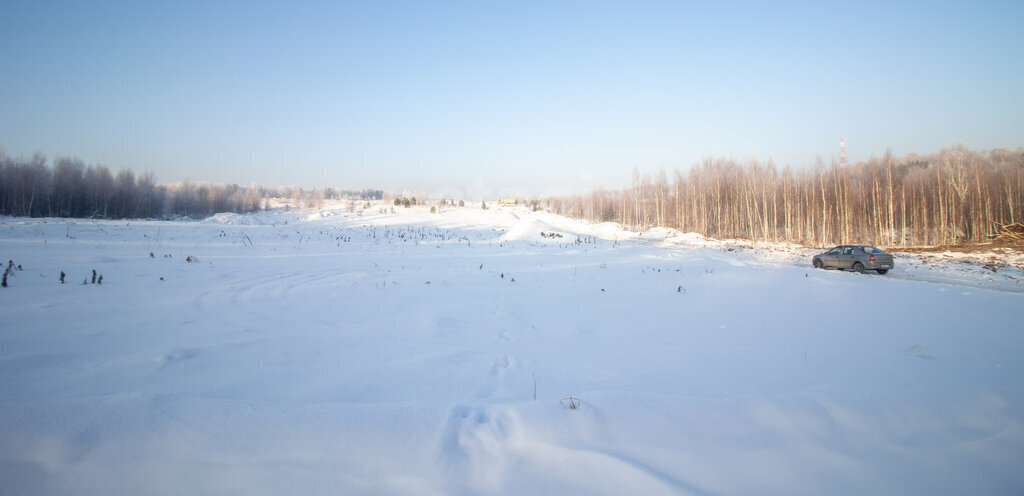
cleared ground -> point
(359, 351)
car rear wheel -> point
(883, 271)
(817, 264)
(859, 267)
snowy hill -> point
(386, 350)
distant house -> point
(508, 201)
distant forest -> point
(954, 196)
(69, 188)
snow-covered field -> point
(346, 352)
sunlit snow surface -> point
(350, 351)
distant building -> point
(508, 201)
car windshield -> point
(871, 249)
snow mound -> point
(674, 236)
(609, 230)
(605, 230)
(532, 229)
(659, 233)
(232, 218)
(691, 238)
(322, 214)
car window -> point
(847, 251)
(834, 251)
(872, 249)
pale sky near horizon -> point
(480, 98)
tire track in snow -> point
(270, 297)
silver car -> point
(856, 257)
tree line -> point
(32, 187)
(70, 188)
(954, 196)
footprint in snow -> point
(502, 365)
(478, 444)
(919, 352)
(175, 356)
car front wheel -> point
(817, 264)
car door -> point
(846, 258)
(858, 256)
(831, 257)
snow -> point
(359, 351)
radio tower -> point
(842, 151)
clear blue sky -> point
(496, 97)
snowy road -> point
(338, 352)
